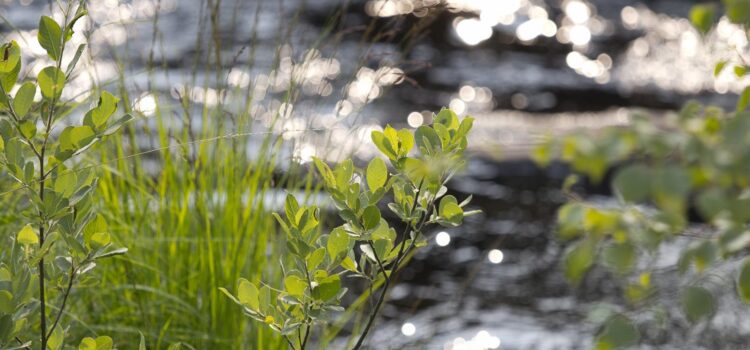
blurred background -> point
(319, 75)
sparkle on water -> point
(408, 329)
(483, 340)
(443, 239)
(495, 256)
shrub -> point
(64, 235)
(698, 158)
(365, 246)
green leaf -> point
(570, 219)
(142, 344)
(327, 288)
(371, 217)
(740, 71)
(55, 341)
(95, 233)
(579, 259)
(719, 67)
(382, 143)
(448, 118)
(291, 207)
(107, 106)
(100, 343)
(619, 257)
(405, 142)
(50, 37)
(104, 343)
(27, 236)
(349, 264)
(65, 183)
(670, 185)
(99, 240)
(427, 140)
(111, 253)
(76, 137)
(80, 12)
(295, 285)
(10, 57)
(87, 343)
(24, 99)
(28, 129)
(738, 11)
(117, 124)
(325, 172)
(6, 327)
(698, 303)
(377, 174)
(450, 210)
(704, 254)
(339, 243)
(247, 294)
(632, 183)
(51, 81)
(8, 80)
(4, 274)
(74, 61)
(315, 258)
(744, 99)
(343, 173)
(712, 202)
(618, 332)
(743, 282)
(6, 302)
(465, 126)
(703, 16)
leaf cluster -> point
(365, 245)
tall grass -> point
(190, 189)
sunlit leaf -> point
(247, 294)
(24, 99)
(703, 16)
(27, 236)
(377, 174)
(51, 81)
(50, 37)
(10, 56)
(295, 285)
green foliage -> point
(703, 17)
(697, 158)
(698, 303)
(63, 235)
(617, 332)
(365, 246)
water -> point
(501, 61)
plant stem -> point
(291, 345)
(396, 265)
(42, 302)
(42, 178)
(381, 298)
(65, 299)
(307, 335)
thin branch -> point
(65, 299)
(378, 305)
